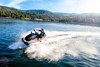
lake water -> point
(66, 45)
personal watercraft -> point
(36, 35)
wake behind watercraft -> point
(36, 35)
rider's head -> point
(39, 31)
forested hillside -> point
(8, 12)
(44, 15)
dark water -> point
(11, 31)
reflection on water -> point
(4, 61)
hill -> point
(44, 15)
(65, 14)
(38, 11)
(12, 13)
(37, 15)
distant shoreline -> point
(95, 25)
(47, 16)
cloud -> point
(79, 6)
(60, 5)
(1, 4)
(69, 6)
(66, 5)
(91, 6)
(15, 3)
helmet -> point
(38, 29)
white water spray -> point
(58, 44)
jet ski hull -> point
(29, 42)
(24, 41)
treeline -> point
(8, 12)
(39, 12)
(15, 13)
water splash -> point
(17, 45)
(58, 44)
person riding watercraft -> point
(36, 35)
(39, 33)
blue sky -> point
(66, 6)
